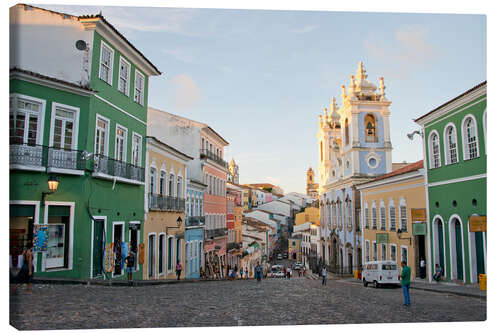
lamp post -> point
(53, 184)
(400, 232)
(412, 134)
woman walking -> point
(25, 275)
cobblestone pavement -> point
(232, 303)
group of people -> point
(233, 273)
(25, 274)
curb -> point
(122, 283)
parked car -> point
(298, 265)
(277, 271)
(280, 256)
(380, 273)
(285, 255)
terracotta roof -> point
(451, 100)
(409, 168)
(48, 78)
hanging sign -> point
(109, 258)
(418, 214)
(477, 223)
(141, 254)
(419, 229)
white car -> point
(380, 272)
(277, 271)
(298, 265)
(280, 256)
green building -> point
(78, 116)
(455, 160)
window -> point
(469, 130)
(161, 254)
(101, 136)
(152, 180)
(484, 129)
(334, 215)
(374, 217)
(63, 127)
(124, 77)
(339, 209)
(25, 118)
(370, 128)
(367, 218)
(348, 213)
(139, 88)
(374, 251)
(403, 218)
(178, 250)
(393, 252)
(121, 144)
(404, 254)
(136, 149)
(382, 216)
(106, 63)
(171, 185)
(170, 253)
(163, 183)
(384, 252)
(434, 152)
(367, 251)
(450, 137)
(179, 187)
(392, 217)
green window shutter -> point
(59, 211)
(22, 210)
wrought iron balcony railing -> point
(233, 246)
(195, 221)
(213, 233)
(38, 156)
(207, 153)
(112, 167)
(165, 203)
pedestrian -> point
(422, 268)
(25, 275)
(241, 273)
(130, 262)
(178, 269)
(229, 273)
(437, 275)
(258, 272)
(405, 282)
(246, 272)
(323, 274)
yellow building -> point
(163, 234)
(294, 249)
(393, 212)
(310, 214)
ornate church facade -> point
(354, 147)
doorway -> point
(151, 256)
(117, 240)
(98, 248)
(420, 254)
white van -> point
(380, 272)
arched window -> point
(179, 187)
(171, 185)
(370, 128)
(450, 142)
(339, 210)
(163, 183)
(434, 151)
(334, 215)
(484, 129)
(374, 216)
(367, 217)
(469, 133)
(403, 220)
(346, 131)
(382, 215)
(348, 214)
(152, 180)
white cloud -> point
(409, 49)
(186, 92)
(305, 29)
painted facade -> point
(310, 214)
(77, 112)
(164, 230)
(354, 147)
(455, 147)
(387, 203)
(194, 230)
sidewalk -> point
(439, 287)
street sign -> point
(382, 238)
(418, 214)
(477, 223)
(419, 229)
(141, 254)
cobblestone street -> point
(231, 303)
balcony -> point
(165, 203)
(214, 233)
(43, 158)
(205, 153)
(105, 167)
(195, 221)
(233, 246)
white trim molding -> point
(458, 180)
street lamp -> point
(53, 184)
(411, 135)
(400, 232)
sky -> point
(260, 78)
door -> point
(134, 240)
(441, 245)
(458, 238)
(118, 231)
(98, 248)
(479, 253)
(151, 256)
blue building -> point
(194, 229)
(354, 147)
